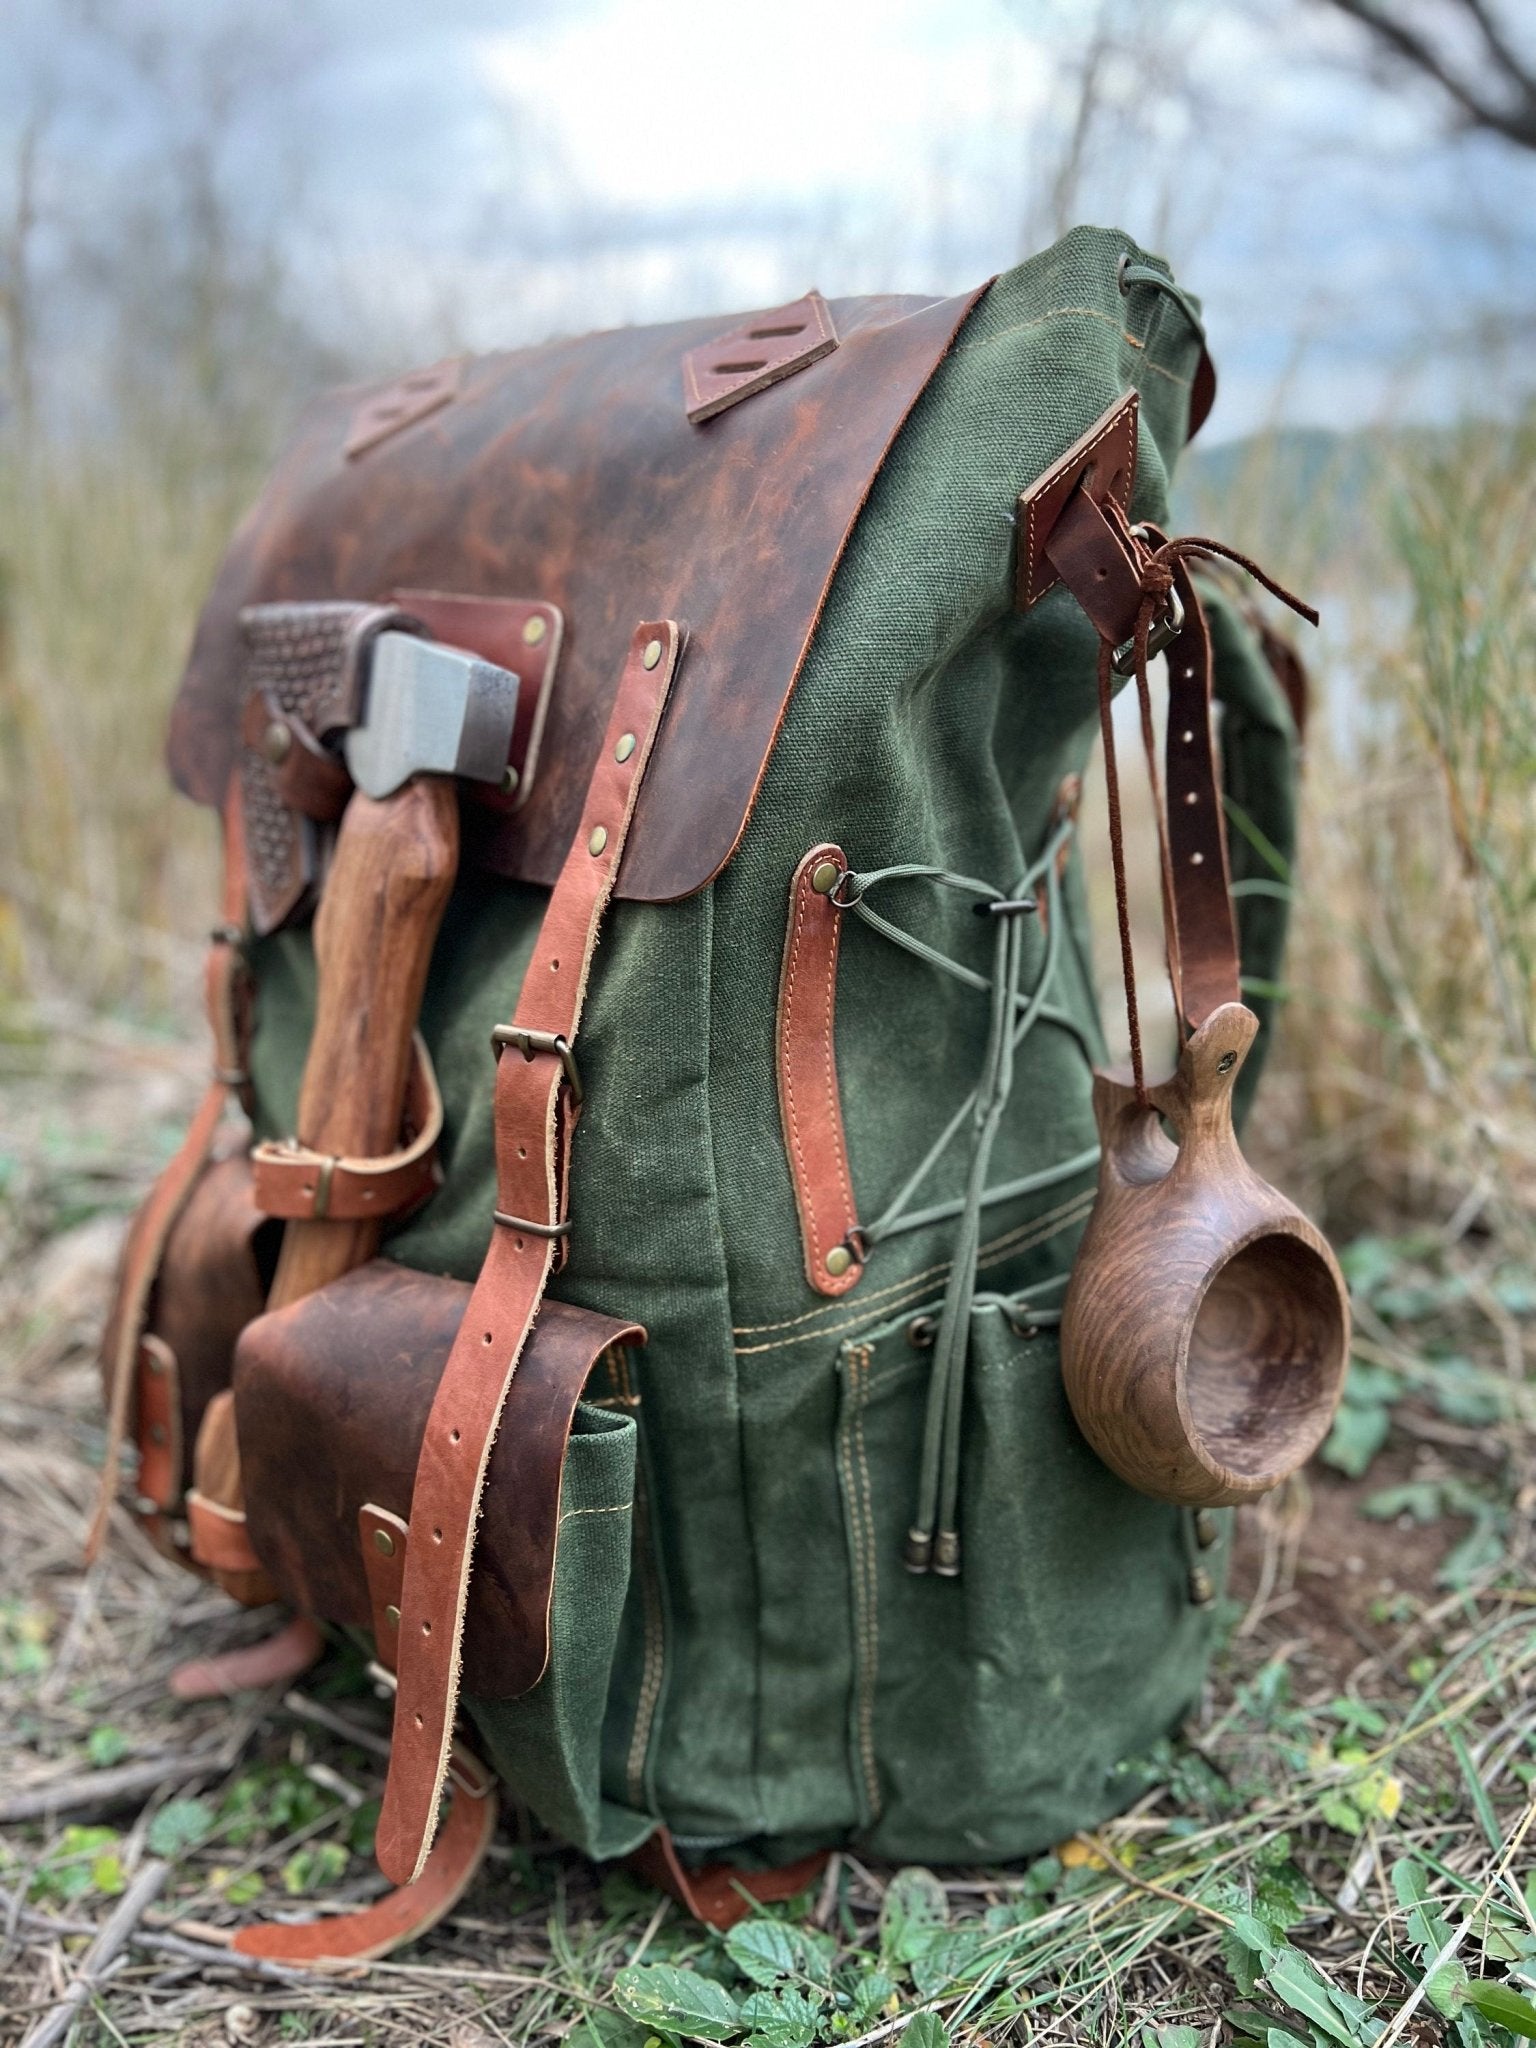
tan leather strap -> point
(384, 1537)
(273, 1661)
(293, 1181)
(810, 1106)
(537, 1102)
(219, 1540)
(717, 1894)
(226, 997)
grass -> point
(1338, 1850)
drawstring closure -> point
(1158, 568)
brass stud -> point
(625, 747)
(824, 877)
(598, 840)
(534, 630)
(392, 1616)
(383, 1543)
(1202, 1587)
(652, 653)
(838, 1260)
(1207, 1529)
(509, 781)
(276, 741)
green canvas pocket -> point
(994, 1713)
(547, 1744)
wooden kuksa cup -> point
(1206, 1328)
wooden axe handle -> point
(378, 920)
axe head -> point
(429, 709)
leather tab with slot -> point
(1103, 462)
(762, 351)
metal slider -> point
(1005, 906)
(529, 1043)
(533, 1229)
(1166, 630)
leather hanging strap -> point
(538, 1099)
(810, 1105)
(226, 997)
(718, 1893)
(293, 1181)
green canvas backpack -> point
(786, 1536)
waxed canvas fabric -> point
(742, 1654)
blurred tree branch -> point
(16, 238)
(1466, 52)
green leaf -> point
(314, 1867)
(1506, 2008)
(1358, 1433)
(871, 1994)
(105, 1746)
(1174, 2037)
(180, 1825)
(1475, 1555)
(950, 1960)
(604, 2029)
(242, 1890)
(916, 1906)
(1298, 1984)
(1446, 1987)
(1277, 2037)
(676, 2001)
(1420, 1498)
(762, 1950)
(925, 2030)
(785, 2018)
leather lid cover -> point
(570, 473)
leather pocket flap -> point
(332, 1397)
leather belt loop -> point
(536, 1109)
(292, 1181)
(810, 1105)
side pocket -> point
(991, 1712)
(548, 1744)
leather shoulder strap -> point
(538, 1099)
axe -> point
(418, 715)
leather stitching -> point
(1032, 593)
(651, 1670)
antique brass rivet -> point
(922, 1331)
(276, 741)
(625, 747)
(392, 1616)
(824, 877)
(383, 1543)
(534, 631)
(838, 1260)
(1206, 1530)
(509, 781)
(652, 653)
(1226, 1063)
(598, 840)
(1202, 1587)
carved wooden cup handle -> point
(1206, 1328)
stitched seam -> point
(651, 1670)
(1034, 505)
(989, 1250)
(872, 1598)
(861, 1543)
(914, 1289)
(834, 1108)
(1044, 319)
(803, 1187)
(625, 1507)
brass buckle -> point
(529, 1043)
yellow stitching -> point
(872, 1580)
(915, 1289)
(863, 1566)
(997, 1245)
(1043, 319)
(1034, 506)
(624, 1508)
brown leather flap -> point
(331, 1402)
(571, 474)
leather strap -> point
(273, 1661)
(537, 1103)
(384, 1538)
(219, 1540)
(718, 1894)
(226, 998)
(292, 1181)
(810, 1106)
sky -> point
(441, 173)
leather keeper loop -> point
(299, 1185)
(219, 1539)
